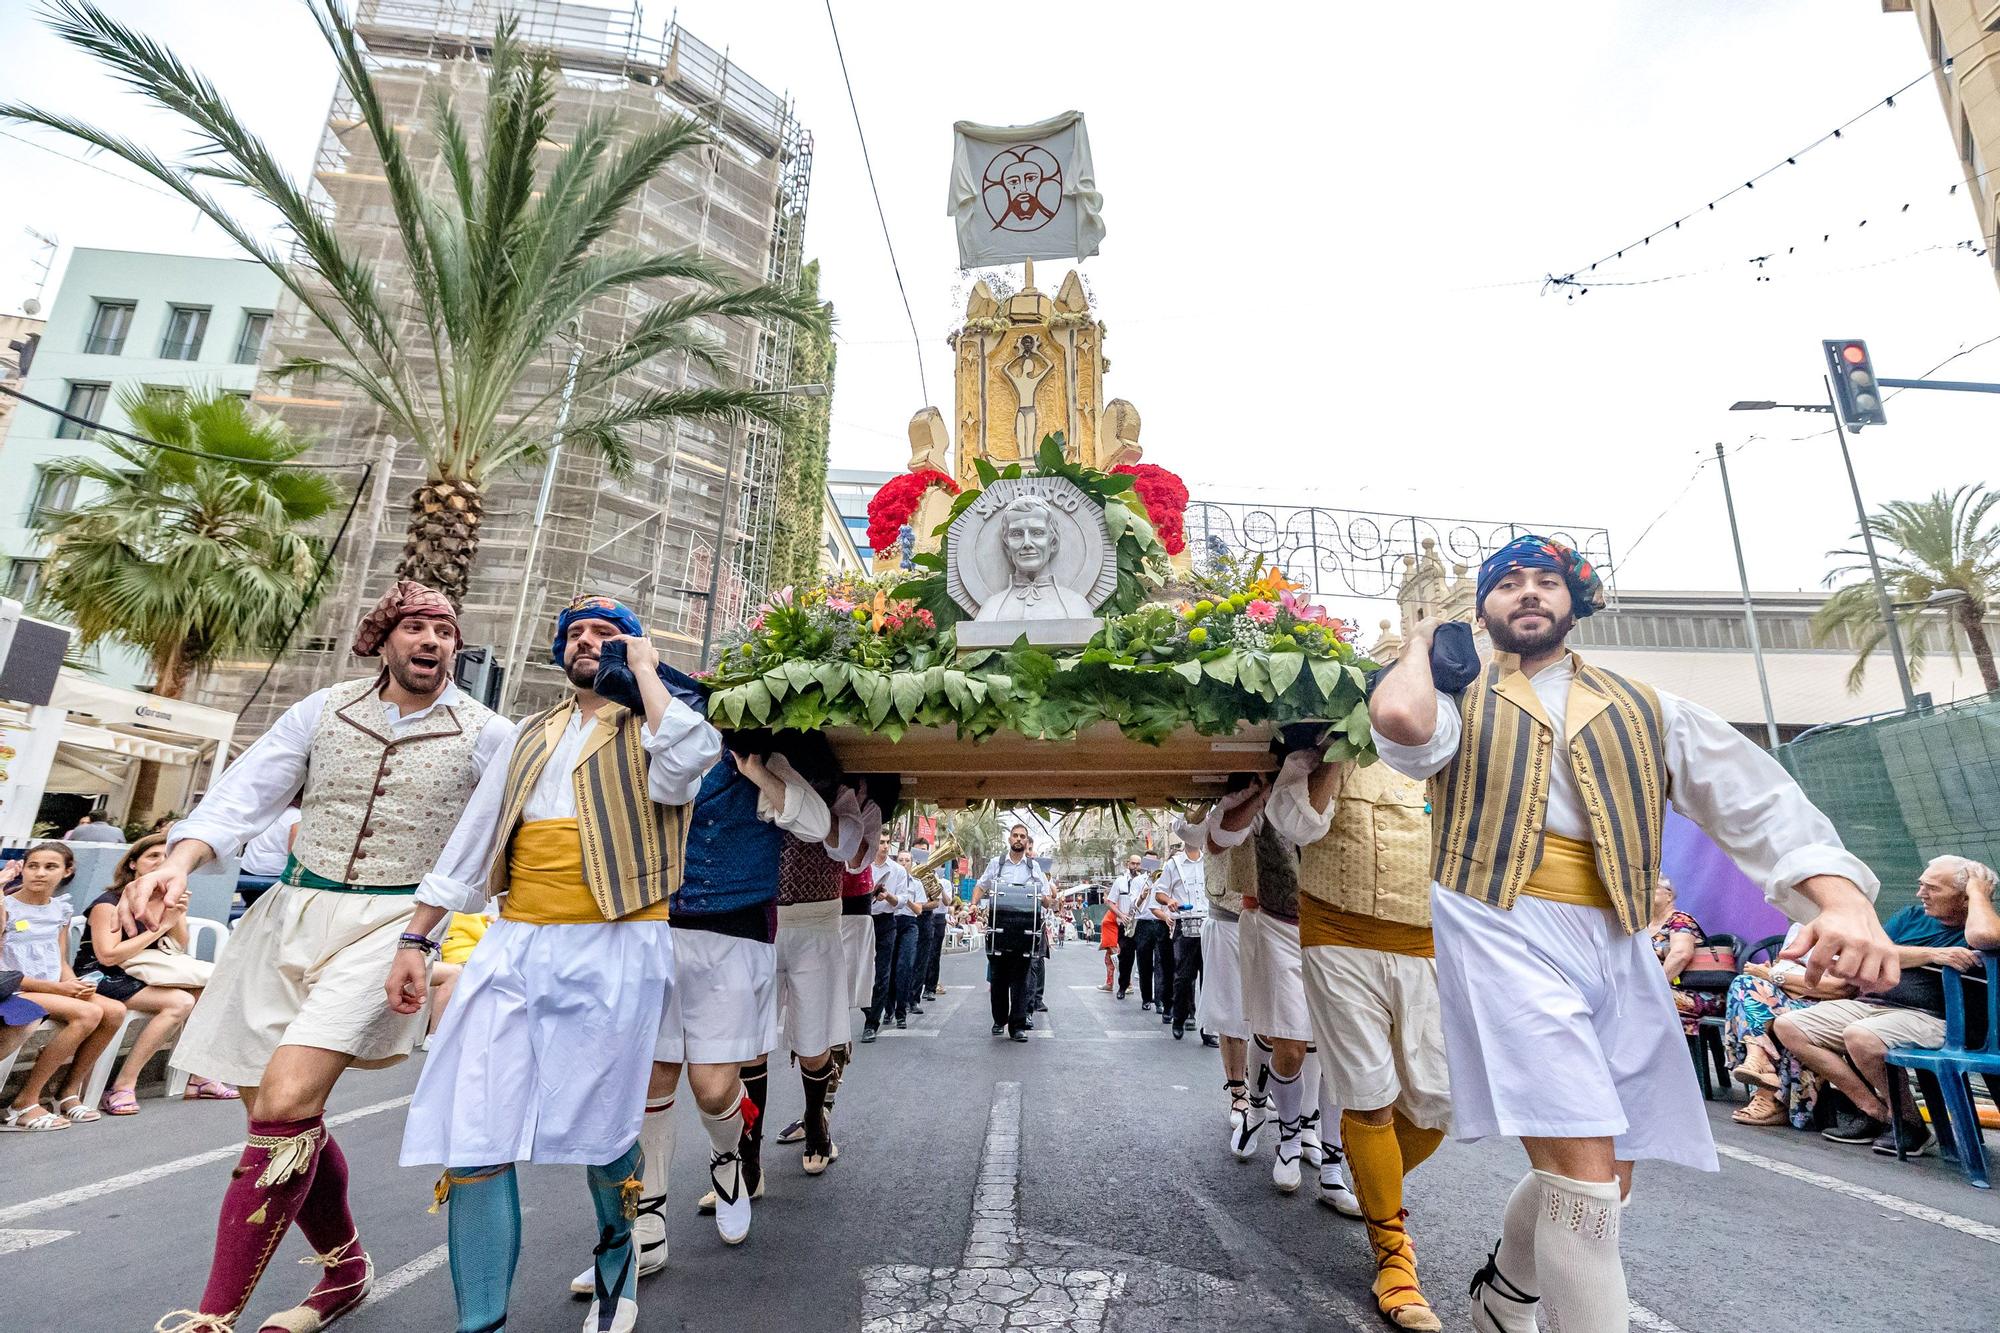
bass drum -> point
(1017, 920)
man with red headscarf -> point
(382, 764)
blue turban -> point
(1586, 589)
(593, 608)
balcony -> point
(112, 345)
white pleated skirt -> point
(1557, 1024)
(1220, 1009)
(545, 1048)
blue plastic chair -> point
(1953, 1065)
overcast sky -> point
(1326, 228)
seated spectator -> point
(90, 829)
(100, 957)
(33, 940)
(1675, 935)
(1845, 1041)
(1785, 1089)
(19, 1017)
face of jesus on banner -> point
(1023, 180)
(1023, 188)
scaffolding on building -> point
(651, 537)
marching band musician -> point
(1007, 973)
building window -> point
(24, 579)
(54, 495)
(108, 327)
(187, 325)
(250, 344)
(86, 401)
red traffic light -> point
(1854, 354)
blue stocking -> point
(485, 1225)
(614, 1191)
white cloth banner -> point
(1024, 192)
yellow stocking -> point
(1417, 1144)
(1375, 1164)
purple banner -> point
(1709, 887)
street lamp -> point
(1867, 533)
(722, 515)
(1943, 597)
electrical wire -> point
(1790, 160)
(915, 337)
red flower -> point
(1165, 496)
(897, 501)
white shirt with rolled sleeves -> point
(1739, 795)
(850, 829)
(254, 791)
(889, 879)
(804, 814)
(1128, 891)
(684, 748)
(1186, 882)
(909, 893)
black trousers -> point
(903, 985)
(1147, 939)
(885, 968)
(1187, 976)
(939, 923)
(1038, 976)
(1128, 949)
(1008, 983)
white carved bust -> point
(1030, 556)
(1030, 540)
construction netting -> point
(1905, 788)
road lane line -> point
(1922, 1212)
(14, 1241)
(1641, 1317)
(995, 1238)
(147, 1175)
(424, 1264)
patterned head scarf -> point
(407, 598)
(593, 608)
(1586, 589)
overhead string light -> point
(1578, 279)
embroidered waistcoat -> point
(1375, 859)
(377, 807)
(806, 874)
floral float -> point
(1165, 496)
(893, 506)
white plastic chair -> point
(198, 927)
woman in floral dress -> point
(1785, 1091)
(1675, 935)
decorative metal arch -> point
(1358, 553)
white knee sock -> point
(1509, 1304)
(1285, 1095)
(1309, 1083)
(1260, 1071)
(725, 1130)
(1576, 1256)
(656, 1139)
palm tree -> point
(1944, 544)
(189, 558)
(500, 260)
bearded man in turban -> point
(1550, 780)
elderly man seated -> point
(1845, 1041)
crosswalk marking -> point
(14, 1241)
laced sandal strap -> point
(195, 1321)
(1490, 1277)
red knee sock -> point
(329, 1228)
(270, 1182)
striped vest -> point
(633, 847)
(1492, 799)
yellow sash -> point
(545, 885)
(1568, 874)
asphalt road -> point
(1078, 1181)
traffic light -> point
(1854, 384)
